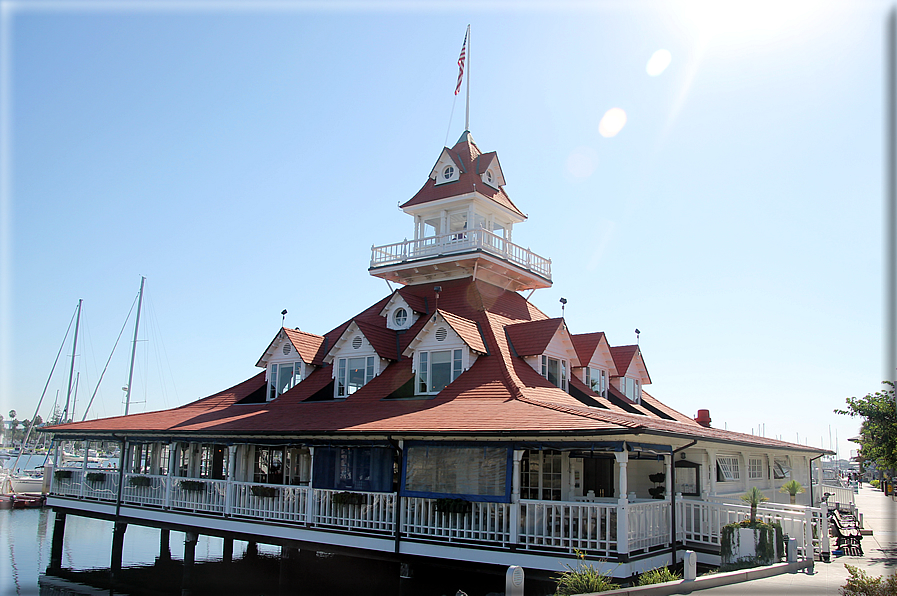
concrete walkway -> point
(880, 557)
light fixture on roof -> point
(563, 304)
(283, 315)
(637, 333)
(437, 289)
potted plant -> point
(347, 498)
(793, 488)
(657, 492)
(263, 491)
(461, 506)
(750, 543)
(95, 477)
(194, 486)
(62, 474)
(139, 480)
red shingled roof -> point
(500, 392)
(585, 345)
(531, 338)
(465, 152)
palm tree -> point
(754, 497)
(793, 488)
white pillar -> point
(711, 468)
(622, 458)
(229, 492)
(667, 463)
(515, 496)
(310, 495)
(169, 480)
(83, 469)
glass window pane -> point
(554, 372)
(440, 370)
(456, 365)
(284, 378)
(355, 374)
(341, 378)
(423, 367)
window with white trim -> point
(283, 377)
(555, 371)
(352, 374)
(727, 469)
(631, 388)
(596, 379)
(436, 369)
(755, 468)
(541, 475)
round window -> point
(399, 317)
(441, 334)
(356, 342)
(448, 172)
(489, 176)
(286, 349)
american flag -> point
(461, 64)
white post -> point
(84, 469)
(229, 491)
(711, 454)
(515, 496)
(172, 462)
(808, 537)
(622, 505)
(667, 464)
(310, 495)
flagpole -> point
(467, 107)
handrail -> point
(479, 239)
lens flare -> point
(658, 62)
(612, 122)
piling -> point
(118, 543)
(227, 551)
(56, 548)
(164, 548)
(190, 539)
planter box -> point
(747, 547)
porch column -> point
(622, 507)
(711, 454)
(84, 469)
(515, 496)
(172, 462)
(705, 484)
(229, 487)
(310, 499)
(667, 464)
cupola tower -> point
(463, 222)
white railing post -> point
(229, 489)
(169, 481)
(808, 535)
(514, 517)
(310, 498)
(622, 526)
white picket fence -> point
(589, 527)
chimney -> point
(703, 418)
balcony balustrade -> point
(448, 244)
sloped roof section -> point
(466, 152)
(531, 338)
(585, 345)
(466, 329)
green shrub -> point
(139, 480)
(62, 474)
(861, 583)
(95, 477)
(875, 483)
(657, 576)
(582, 579)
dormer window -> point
(631, 388)
(283, 377)
(448, 172)
(596, 379)
(437, 369)
(489, 176)
(555, 371)
(353, 374)
(400, 317)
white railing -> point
(839, 494)
(101, 486)
(355, 510)
(649, 524)
(703, 521)
(590, 527)
(484, 522)
(281, 502)
(410, 250)
(137, 492)
(199, 495)
(69, 486)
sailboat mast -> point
(134, 347)
(68, 396)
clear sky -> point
(245, 159)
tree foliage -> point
(878, 433)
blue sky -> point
(245, 159)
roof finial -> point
(637, 333)
(563, 304)
(283, 317)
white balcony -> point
(399, 260)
